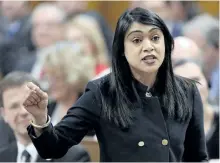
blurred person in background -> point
(14, 114)
(192, 70)
(185, 48)
(211, 64)
(16, 15)
(67, 69)
(72, 8)
(6, 133)
(2, 25)
(85, 30)
(75, 8)
(16, 37)
(47, 28)
(165, 11)
(183, 11)
(197, 29)
(204, 30)
(47, 21)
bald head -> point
(185, 48)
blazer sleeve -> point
(84, 115)
(195, 143)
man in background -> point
(14, 114)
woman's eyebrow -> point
(139, 31)
(135, 31)
(153, 29)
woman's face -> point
(144, 48)
(58, 88)
(193, 71)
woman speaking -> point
(140, 112)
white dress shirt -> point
(30, 149)
(55, 118)
(38, 65)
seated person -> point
(14, 114)
(191, 70)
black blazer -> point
(212, 138)
(152, 137)
(77, 154)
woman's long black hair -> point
(120, 96)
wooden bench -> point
(92, 146)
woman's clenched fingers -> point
(28, 102)
(35, 96)
(36, 92)
(41, 94)
(32, 86)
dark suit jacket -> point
(213, 138)
(151, 138)
(26, 61)
(6, 133)
(76, 154)
(16, 49)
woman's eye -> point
(155, 38)
(136, 41)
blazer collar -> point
(143, 89)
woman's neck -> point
(147, 79)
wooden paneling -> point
(111, 10)
(92, 147)
(211, 7)
(34, 3)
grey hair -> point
(213, 37)
(203, 23)
(72, 61)
(183, 61)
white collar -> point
(29, 148)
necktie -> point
(26, 156)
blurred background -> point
(64, 44)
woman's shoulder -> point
(91, 98)
(185, 83)
(99, 84)
(188, 86)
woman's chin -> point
(152, 69)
